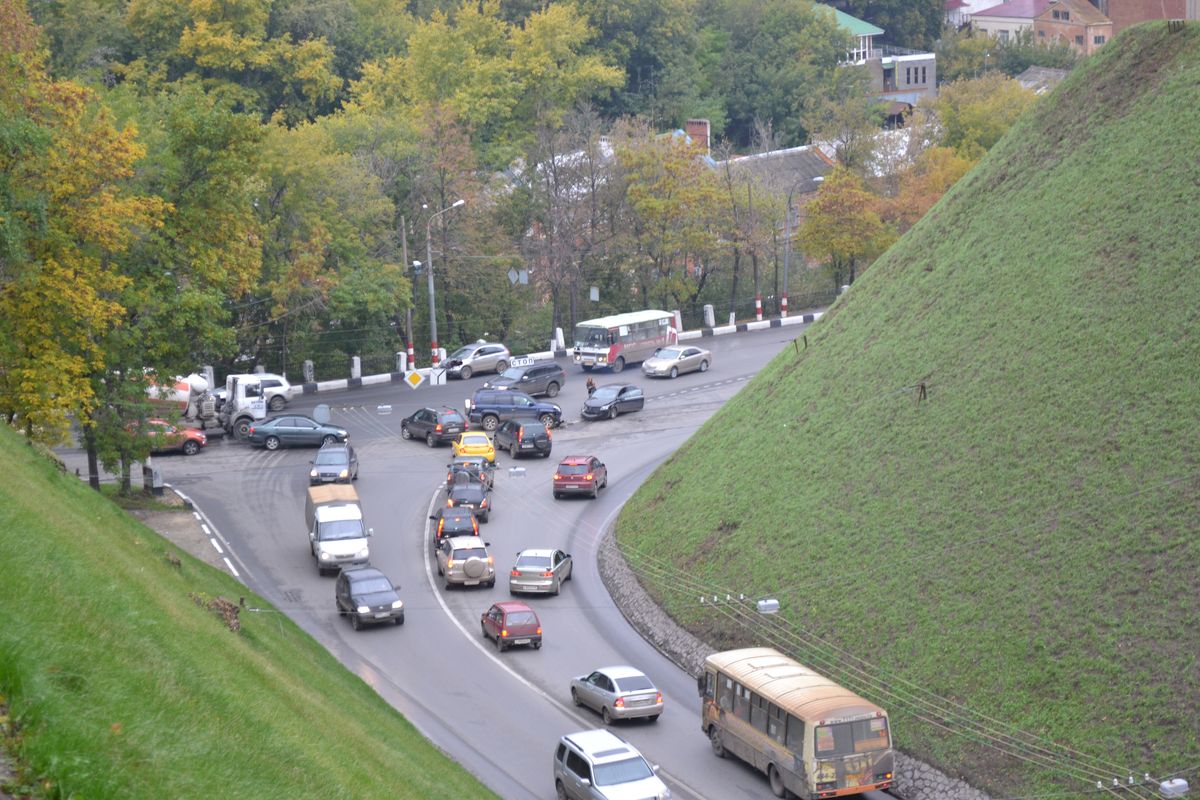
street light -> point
(787, 242)
(429, 275)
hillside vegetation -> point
(979, 473)
(124, 687)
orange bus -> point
(809, 735)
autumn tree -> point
(843, 228)
(975, 113)
(922, 185)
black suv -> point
(490, 407)
(474, 468)
(434, 425)
(472, 495)
(458, 521)
(545, 377)
(522, 436)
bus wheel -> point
(714, 738)
(777, 787)
(619, 364)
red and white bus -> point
(622, 338)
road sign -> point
(520, 361)
(437, 377)
(414, 379)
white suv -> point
(276, 389)
(599, 765)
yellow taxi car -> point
(474, 443)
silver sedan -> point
(618, 693)
(674, 361)
(540, 571)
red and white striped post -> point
(412, 362)
(758, 307)
(783, 305)
(433, 358)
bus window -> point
(758, 713)
(725, 699)
(795, 734)
(847, 738)
(710, 684)
(741, 702)
(776, 723)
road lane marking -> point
(229, 564)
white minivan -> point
(599, 765)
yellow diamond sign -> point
(414, 379)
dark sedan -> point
(612, 399)
(294, 430)
(335, 463)
(523, 437)
(475, 468)
(367, 596)
(472, 495)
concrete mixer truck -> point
(244, 402)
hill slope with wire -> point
(974, 487)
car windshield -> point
(341, 529)
(634, 683)
(606, 393)
(463, 352)
(572, 469)
(513, 373)
(372, 586)
(331, 458)
(541, 562)
(667, 352)
(470, 552)
(515, 618)
(629, 769)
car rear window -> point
(470, 552)
(450, 416)
(634, 684)
(572, 469)
(520, 618)
(534, 561)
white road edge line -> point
(215, 533)
(566, 709)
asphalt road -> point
(500, 715)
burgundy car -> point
(511, 623)
(585, 475)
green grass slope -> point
(125, 688)
(1019, 541)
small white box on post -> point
(355, 367)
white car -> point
(478, 357)
(275, 387)
(671, 362)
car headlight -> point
(312, 473)
(363, 609)
(364, 552)
(398, 604)
(326, 555)
(344, 473)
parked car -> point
(612, 399)
(465, 561)
(476, 468)
(580, 475)
(618, 693)
(540, 571)
(542, 377)
(276, 390)
(511, 623)
(367, 596)
(294, 430)
(335, 463)
(523, 437)
(599, 765)
(454, 521)
(473, 495)
(490, 407)
(166, 438)
(478, 357)
(474, 443)
(434, 425)
(674, 361)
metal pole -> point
(787, 254)
(408, 336)
(429, 274)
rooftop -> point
(856, 26)
(1023, 9)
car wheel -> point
(329, 438)
(355, 622)
(491, 584)
(277, 403)
(547, 420)
(499, 645)
(191, 447)
(440, 573)
(605, 484)
(484, 519)
(271, 443)
(512, 451)
(595, 491)
(619, 364)
(714, 740)
(612, 413)
(557, 495)
(483, 629)
(557, 588)
(491, 422)
(405, 433)
(674, 372)
(552, 390)
(449, 585)
(501, 365)
(776, 781)
(606, 715)
(559, 792)
(704, 366)
(430, 441)
(400, 620)
(654, 718)
(537, 645)
(465, 373)
(575, 697)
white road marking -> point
(214, 544)
(229, 564)
(207, 532)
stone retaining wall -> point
(914, 780)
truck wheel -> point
(272, 443)
(241, 428)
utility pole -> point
(408, 334)
(429, 274)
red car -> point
(580, 475)
(167, 437)
(511, 623)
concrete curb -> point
(721, 330)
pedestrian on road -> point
(591, 386)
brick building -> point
(1073, 22)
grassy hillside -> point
(125, 688)
(1021, 537)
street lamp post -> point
(429, 275)
(787, 244)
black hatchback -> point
(367, 596)
(523, 437)
(434, 425)
(454, 522)
(540, 377)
